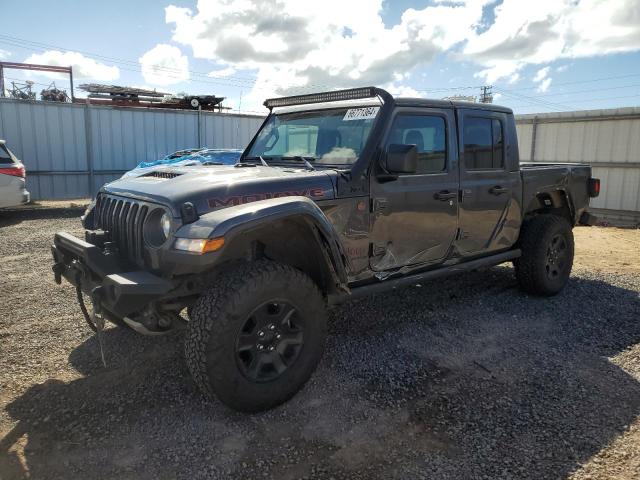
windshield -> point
(332, 137)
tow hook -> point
(96, 308)
(94, 319)
(97, 318)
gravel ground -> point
(463, 378)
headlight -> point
(165, 223)
(199, 245)
(157, 227)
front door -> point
(414, 217)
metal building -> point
(70, 150)
(609, 140)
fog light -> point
(198, 245)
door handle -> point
(498, 190)
(445, 195)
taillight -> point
(17, 171)
(594, 187)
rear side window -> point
(5, 158)
(427, 133)
(483, 143)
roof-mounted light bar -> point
(335, 96)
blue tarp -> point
(223, 156)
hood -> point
(214, 187)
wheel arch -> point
(289, 230)
(554, 202)
(295, 241)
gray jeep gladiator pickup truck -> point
(338, 195)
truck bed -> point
(568, 179)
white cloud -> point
(223, 72)
(501, 69)
(547, 30)
(294, 46)
(542, 79)
(562, 68)
(541, 74)
(164, 65)
(402, 90)
(544, 85)
(513, 78)
(4, 54)
(83, 67)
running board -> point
(385, 285)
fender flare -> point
(553, 192)
(233, 221)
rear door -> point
(414, 217)
(490, 186)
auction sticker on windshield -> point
(361, 113)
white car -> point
(12, 179)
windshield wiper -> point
(302, 159)
(259, 157)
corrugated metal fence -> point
(609, 140)
(71, 150)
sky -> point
(539, 56)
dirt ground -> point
(463, 378)
(609, 249)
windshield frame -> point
(360, 159)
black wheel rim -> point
(270, 341)
(557, 257)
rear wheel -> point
(547, 248)
(256, 336)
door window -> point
(427, 133)
(5, 158)
(483, 143)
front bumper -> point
(14, 197)
(105, 277)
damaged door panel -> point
(414, 216)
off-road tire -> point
(536, 242)
(216, 321)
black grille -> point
(160, 174)
(123, 219)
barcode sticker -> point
(361, 113)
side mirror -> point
(401, 158)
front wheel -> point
(256, 336)
(547, 247)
